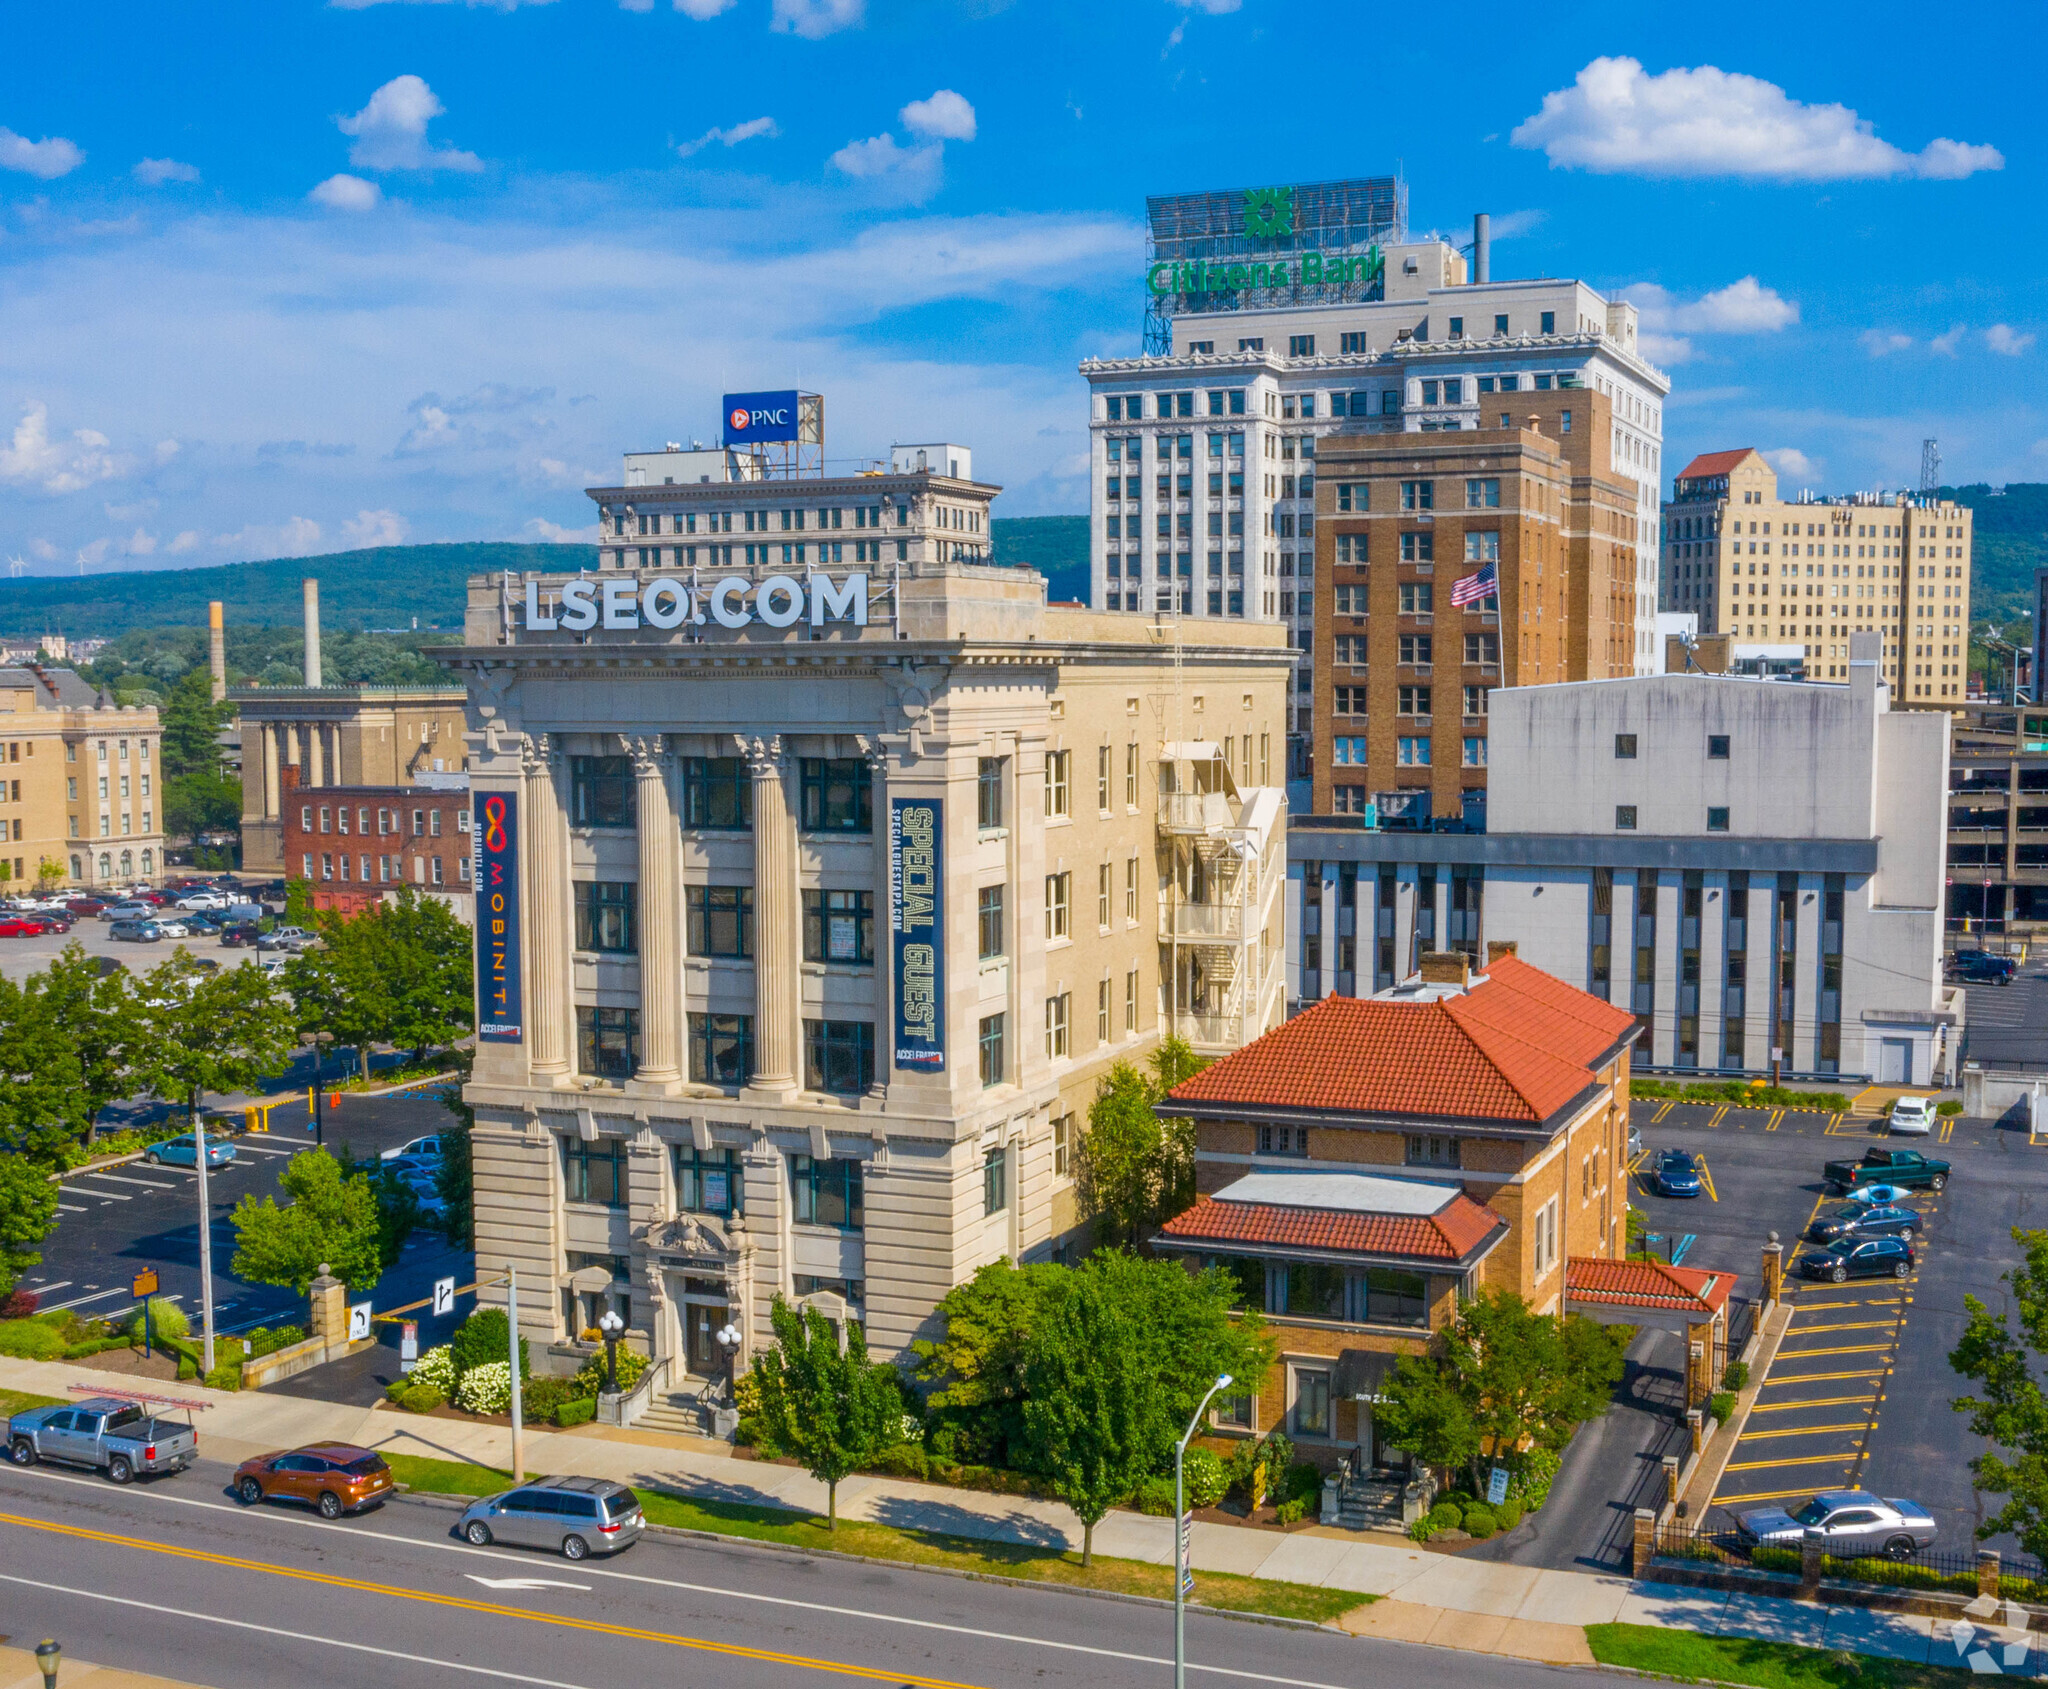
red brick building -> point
(354, 845)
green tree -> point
(399, 973)
(332, 1217)
(220, 1032)
(1504, 1376)
(101, 1017)
(1090, 1411)
(976, 1368)
(191, 725)
(201, 802)
(42, 1107)
(2010, 1409)
(830, 1406)
(28, 1208)
(1137, 1170)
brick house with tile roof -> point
(1365, 1166)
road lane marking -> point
(1848, 1459)
(289, 1635)
(43, 1474)
(491, 1609)
(1804, 1430)
(524, 1583)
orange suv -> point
(336, 1478)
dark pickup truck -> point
(1906, 1167)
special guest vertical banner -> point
(494, 826)
(917, 931)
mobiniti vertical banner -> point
(494, 832)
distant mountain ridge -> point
(387, 586)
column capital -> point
(538, 753)
(649, 752)
(765, 757)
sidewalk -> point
(18, 1670)
(1526, 1611)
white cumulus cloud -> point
(755, 128)
(1617, 118)
(2002, 337)
(32, 458)
(347, 193)
(1882, 342)
(912, 171)
(390, 132)
(154, 172)
(1791, 463)
(141, 543)
(48, 159)
(1946, 344)
(295, 537)
(704, 10)
(946, 116)
(1215, 8)
(815, 19)
(1742, 307)
(186, 541)
(540, 528)
(375, 527)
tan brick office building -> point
(1374, 1161)
(1401, 672)
(81, 782)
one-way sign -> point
(444, 1295)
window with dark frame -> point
(995, 1183)
(602, 792)
(719, 920)
(718, 794)
(709, 1181)
(827, 1192)
(721, 1049)
(839, 926)
(989, 1050)
(606, 913)
(989, 918)
(839, 1056)
(837, 795)
(608, 1041)
(988, 793)
(594, 1172)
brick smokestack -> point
(217, 650)
(312, 588)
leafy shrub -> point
(1422, 1530)
(1532, 1480)
(1480, 1521)
(1722, 1406)
(485, 1388)
(1508, 1514)
(419, 1398)
(483, 1339)
(1291, 1512)
(1735, 1376)
(579, 1412)
(226, 1375)
(1202, 1480)
(1303, 1482)
(17, 1305)
(1773, 1557)
(590, 1378)
(1949, 1107)
(267, 1340)
(1735, 1091)
(1444, 1516)
(90, 1346)
(394, 1392)
(902, 1460)
(436, 1367)
(1155, 1496)
(31, 1340)
(539, 1397)
(166, 1319)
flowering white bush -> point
(909, 1427)
(436, 1367)
(487, 1388)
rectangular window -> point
(1418, 495)
(1058, 765)
(708, 1181)
(1102, 757)
(839, 926)
(1482, 494)
(1130, 888)
(839, 1056)
(721, 1049)
(1413, 753)
(1389, 1296)
(601, 791)
(988, 793)
(837, 795)
(1301, 346)
(720, 920)
(1434, 1150)
(1418, 548)
(595, 1171)
(1412, 700)
(995, 1183)
(1625, 746)
(1311, 1386)
(605, 911)
(989, 1049)
(990, 918)
(1548, 323)
(1058, 1013)
(1315, 1288)
(1062, 1145)
(1131, 776)
(828, 1192)
(1105, 878)
(1717, 747)
(1483, 547)
(1624, 818)
(1717, 820)
(718, 794)
(1058, 892)
(608, 1041)
(1417, 598)
(1475, 751)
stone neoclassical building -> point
(816, 890)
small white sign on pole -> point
(1497, 1486)
(444, 1296)
(358, 1321)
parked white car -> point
(202, 900)
(1911, 1117)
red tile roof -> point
(1515, 1048)
(1714, 463)
(1450, 1234)
(1646, 1284)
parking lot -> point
(20, 957)
(1859, 1393)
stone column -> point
(327, 1308)
(545, 860)
(270, 745)
(660, 918)
(316, 755)
(777, 936)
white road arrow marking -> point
(524, 1583)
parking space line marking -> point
(110, 1196)
(1861, 1302)
(1659, 1115)
(1816, 1377)
(1805, 1430)
(1818, 1401)
(1891, 1324)
(1720, 1114)
(147, 1184)
(1798, 1460)
(1845, 1349)
(1707, 1178)
(1756, 1495)
(73, 1208)
(1771, 1125)
(96, 1296)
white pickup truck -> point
(116, 1437)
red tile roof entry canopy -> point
(1646, 1284)
(1714, 463)
(1451, 1234)
(1516, 1048)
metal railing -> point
(1950, 1570)
(634, 1402)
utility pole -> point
(205, 1231)
(512, 1321)
(1183, 1557)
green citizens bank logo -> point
(1268, 212)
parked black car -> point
(1981, 967)
(1864, 1219)
(240, 934)
(1874, 1257)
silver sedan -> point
(1849, 1522)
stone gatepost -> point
(1774, 1273)
(1811, 1547)
(1645, 1542)
(328, 1312)
(1987, 1572)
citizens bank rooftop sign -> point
(668, 601)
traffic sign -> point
(145, 1283)
(1497, 1486)
(408, 1345)
(358, 1321)
(444, 1295)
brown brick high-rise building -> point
(1400, 674)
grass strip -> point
(1063, 1570)
(20, 1401)
(1688, 1657)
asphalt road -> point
(174, 1577)
(111, 1224)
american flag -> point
(1475, 587)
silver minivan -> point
(570, 1516)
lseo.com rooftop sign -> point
(669, 601)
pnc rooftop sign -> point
(668, 601)
(751, 418)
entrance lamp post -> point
(1183, 1559)
(610, 1327)
(729, 1339)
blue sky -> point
(285, 277)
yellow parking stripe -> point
(1891, 1324)
(1845, 1349)
(1805, 1430)
(1859, 1302)
(1771, 1125)
(1818, 1401)
(1848, 1459)
(464, 1603)
(1720, 1114)
(1659, 1115)
(1707, 1178)
(1820, 1377)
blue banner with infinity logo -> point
(494, 835)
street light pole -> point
(610, 1327)
(512, 1322)
(205, 1232)
(1182, 1570)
